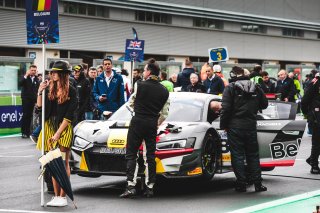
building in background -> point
(276, 34)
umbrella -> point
(54, 163)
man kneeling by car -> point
(151, 105)
(241, 101)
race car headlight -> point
(176, 144)
(81, 143)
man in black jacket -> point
(242, 99)
(285, 86)
(150, 104)
(29, 88)
(83, 90)
(310, 106)
(214, 84)
(268, 85)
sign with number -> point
(218, 54)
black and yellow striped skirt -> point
(64, 141)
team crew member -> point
(241, 101)
(60, 104)
(151, 105)
(310, 106)
(29, 87)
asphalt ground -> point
(20, 190)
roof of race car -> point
(193, 96)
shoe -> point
(129, 192)
(24, 136)
(148, 193)
(57, 201)
(315, 170)
(54, 201)
(258, 187)
(62, 201)
(33, 139)
(241, 187)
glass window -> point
(82, 9)
(9, 3)
(141, 16)
(208, 23)
(72, 8)
(1, 3)
(292, 32)
(319, 35)
(65, 7)
(101, 12)
(156, 17)
(252, 28)
(149, 16)
(20, 4)
(164, 19)
(91, 10)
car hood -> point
(103, 132)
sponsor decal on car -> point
(117, 138)
(281, 150)
(196, 171)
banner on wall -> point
(42, 21)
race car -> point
(189, 142)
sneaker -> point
(148, 193)
(315, 170)
(62, 201)
(33, 139)
(129, 192)
(240, 187)
(54, 201)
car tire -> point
(209, 156)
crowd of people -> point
(82, 93)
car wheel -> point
(209, 157)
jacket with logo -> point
(114, 92)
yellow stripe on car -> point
(159, 166)
(196, 171)
(83, 163)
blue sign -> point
(10, 116)
(134, 50)
(42, 21)
(218, 54)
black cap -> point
(61, 66)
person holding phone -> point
(108, 89)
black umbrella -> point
(54, 163)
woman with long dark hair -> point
(60, 104)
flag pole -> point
(43, 118)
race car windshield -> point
(177, 111)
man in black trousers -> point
(241, 101)
(151, 106)
(29, 88)
(310, 106)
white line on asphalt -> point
(279, 202)
(22, 211)
(25, 156)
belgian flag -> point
(41, 5)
